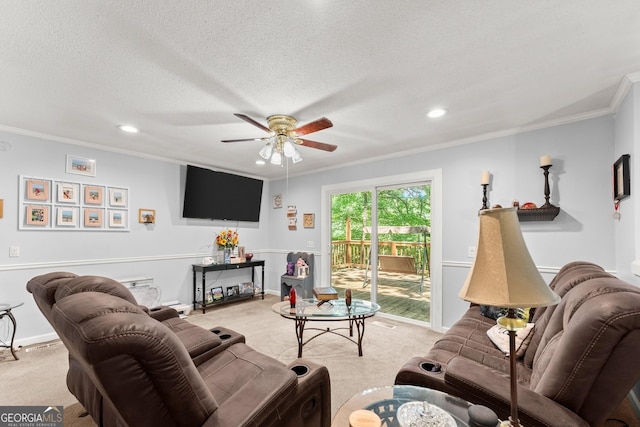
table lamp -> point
(504, 275)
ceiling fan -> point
(285, 136)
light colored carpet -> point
(38, 378)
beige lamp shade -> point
(503, 273)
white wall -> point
(164, 251)
(583, 153)
(580, 182)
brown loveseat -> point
(129, 366)
(579, 365)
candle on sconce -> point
(545, 160)
(484, 180)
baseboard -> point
(37, 339)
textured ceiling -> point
(73, 70)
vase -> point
(227, 255)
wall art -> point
(37, 215)
(67, 216)
(117, 197)
(93, 195)
(68, 192)
(621, 178)
(48, 204)
(93, 217)
(117, 218)
(81, 165)
(38, 189)
(147, 216)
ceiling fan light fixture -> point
(296, 157)
(288, 148)
(276, 158)
(266, 151)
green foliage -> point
(407, 206)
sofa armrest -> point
(492, 389)
(163, 313)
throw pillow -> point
(500, 338)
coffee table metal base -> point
(358, 321)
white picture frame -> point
(68, 192)
(80, 165)
(117, 218)
(118, 197)
(67, 216)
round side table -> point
(5, 310)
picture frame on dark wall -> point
(621, 178)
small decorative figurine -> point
(292, 297)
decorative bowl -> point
(248, 256)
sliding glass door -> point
(380, 247)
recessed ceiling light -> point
(128, 128)
(436, 112)
(260, 162)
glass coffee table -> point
(309, 310)
(385, 402)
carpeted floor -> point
(38, 378)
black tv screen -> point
(210, 194)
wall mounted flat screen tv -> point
(210, 194)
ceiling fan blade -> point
(315, 126)
(253, 122)
(318, 145)
(241, 140)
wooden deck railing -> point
(356, 253)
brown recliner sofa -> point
(580, 364)
(129, 366)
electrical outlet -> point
(14, 251)
(471, 252)
(311, 244)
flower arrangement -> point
(227, 239)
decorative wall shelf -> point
(539, 214)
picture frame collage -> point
(50, 204)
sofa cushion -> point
(198, 341)
(94, 284)
(244, 379)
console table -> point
(203, 269)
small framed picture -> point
(277, 201)
(308, 220)
(117, 197)
(246, 288)
(67, 216)
(37, 215)
(93, 195)
(117, 219)
(621, 178)
(216, 293)
(38, 189)
(233, 291)
(93, 217)
(68, 193)
(81, 165)
(147, 216)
